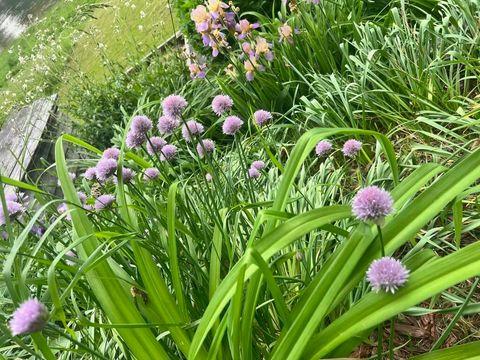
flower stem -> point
(380, 341)
(380, 237)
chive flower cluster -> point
(387, 274)
(255, 169)
(372, 204)
(350, 148)
(31, 316)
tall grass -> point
(236, 267)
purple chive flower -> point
(151, 174)
(206, 146)
(141, 124)
(387, 274)
(253, 173)
(231, 125)
(258, 164)
(191, 128)
(11, 196)
(167, 124)
(127, 176)
(31, 316)
(104, 201)
(372, 204)
(134, 139)
(14, 209)
(105, 168)
(111, 153)
(208, 177)
(174, 105)
(90, 174)
(168, 152)
(82, 197)
(155, 144)
(323, 148)
(221, 104)
(351, 147)
(37, 230)
(262, 117)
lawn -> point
(85, 37)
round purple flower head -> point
(31, 316)
(190, 129)
(167, 124)
(387, 274)
(82, 197)
(221, 104)
(141, 124)
(127, 176)
(105, 168)
(14, 210)
(104, 201)
(174, 105)
(135, 139)
(155, 144)
(37, 230)
(323, 148)
(11, 196)
(90, 173)
(168, 152)
(231, 125)
(111, 153)
(351, 147)
(151, 174)
(258, 164)
(253, 173)
(208, 177)
(262, 117)
(206, 146)
(372, 204)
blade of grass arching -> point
(341, 272)
(114, 300)
(172, 250)
(457, 316)
(469, 351)
(375, 308)
(272, 285)
(21, 185)
(303, 148)
(270, 244)
(159, 295)
(128, 155)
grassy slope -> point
(122, 34)
(127, 29)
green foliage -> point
(99, 106)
